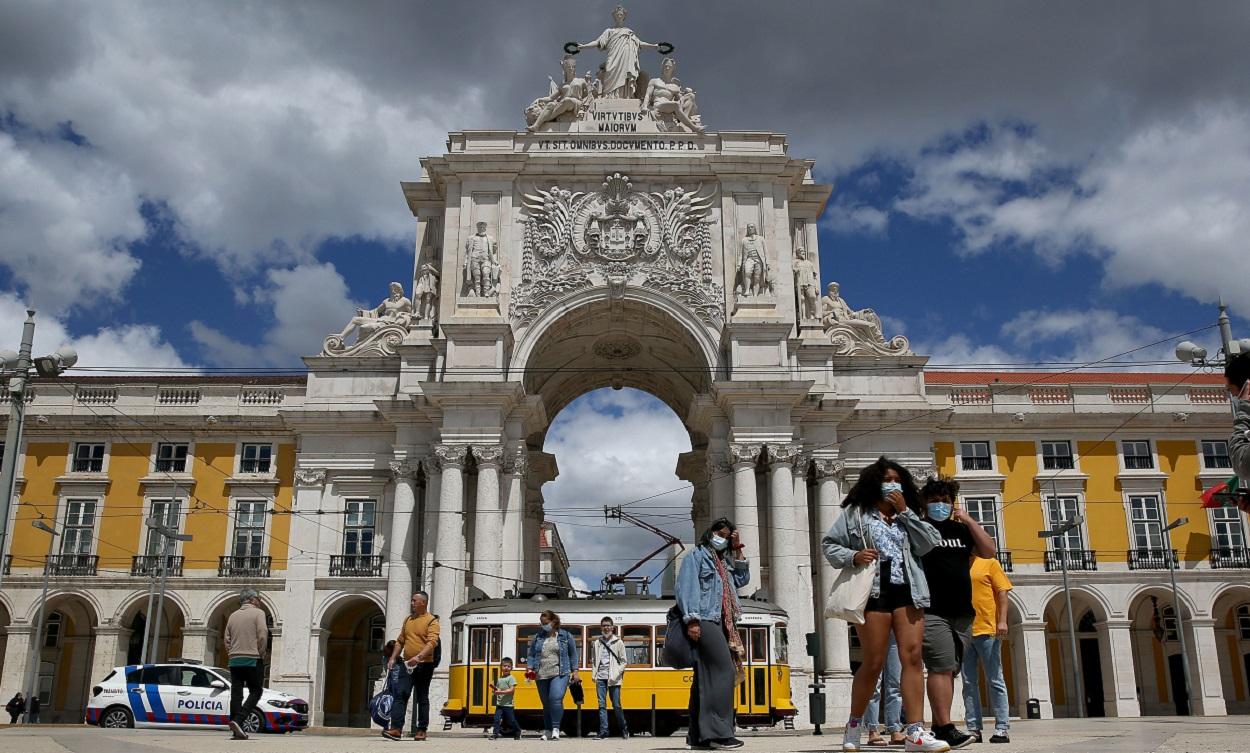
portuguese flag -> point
(1221, 495)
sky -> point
(189, 184)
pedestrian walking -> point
(15, 707)
(1237, 382)
(32, 709)
(881, 522)
(608, 658)
(989, 598)
(948, 620)
(247, 640)
(416, 645)
(707, 597)
(888, 695)
(504, 688)
(553, 662)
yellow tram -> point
(654, 696)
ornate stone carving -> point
(481, 264)
(401, 469)
(450, 455)
(671, 104)
(566, 101)
(829, 468)
(378, 331)
(310, 476)
(754, 276)
(617, 236)
(429, 464)
(783, 454)
(425, 294)
(489, 454)
(620, 75)
(807, 286)
(718, 464)
(922, 473)
(857, 333)
(618, 347)
(744, 453)
(517, 461)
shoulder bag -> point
(851, 588)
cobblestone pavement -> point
(1161, 734)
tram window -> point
(579, 637)
(477, 645)
(457, 634)
(637, 645)
(496, 644)
(759, 645)
(524, 633)
(782, 643)
(660, 631)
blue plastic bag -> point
(380, 704)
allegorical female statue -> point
(665, 96)
(569, 97)
(621, 67)
(395, 310)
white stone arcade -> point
(568, 257)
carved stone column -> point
(804, 622)
(1204, 670)
(399, 586)
(746, 514)
(424, 577)
(542, 468)
(835, 645)
(692, 467)
(449, 547)
(291, 672)
(721, 481)
(516, 463)
(1120, 698)
(488, 523)
(786, 550)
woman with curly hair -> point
(881, 522)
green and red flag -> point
(1222, 495)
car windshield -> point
(223, 674)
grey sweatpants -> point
(712, 694)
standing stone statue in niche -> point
(806, 284)
(481, 264)
(378, 330)
(856, 332)
(667, 100)
(621, 71)
(753, 272)
(425, 292)
(567, 99)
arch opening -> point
(352, 635)
(1231, 611)
(1092, 654)
(66, 656)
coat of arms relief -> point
(617, 236)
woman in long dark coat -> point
(707, 597)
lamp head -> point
(8, 359)
(61, 359)
(1190, 352)
(43, 526)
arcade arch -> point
(1157, 662)
(66, 655)
(1092, 654)
(215, 651)
(132, 620)
(1232, 635)
(351, 636)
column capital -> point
(747, 453)
(516, 461)
(429, 464)
(489, 455)
(718, 463)
(404, 469)
(783, 454)
(829, 468)
(450, 455)
(311, 478)
(922, 473)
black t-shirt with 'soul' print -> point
(946, 569)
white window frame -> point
(1154, 456)
(1202, 453)
(63, 518)
(1082, 530)
(155, 459)
(959, 457)
(73, 455)
(273, 458)
(996, 503)
(1133, 522)
(373, 542)
(1041, 456)
(234, 525)
(149, 509)
(1239, 516)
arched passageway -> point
(1157, 659)
(66, 654)
(352, 636)
(1232, 635)
(1092, 659)
(215, 650)
(166, 642)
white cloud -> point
(1170, 204)
(137, 346)
(846, 217)
(307, 302)
(614, 447)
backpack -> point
(438, 647)
(380, 704)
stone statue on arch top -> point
(425, 293)
(666, 99)
(481, 264)
(622, 73)
(569, 98)
(378, 330)
(754, 276)
(806, 284)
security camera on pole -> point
(16, 366)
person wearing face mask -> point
(948, 620)
(707, 598)
(1237, 381)
(881, 522)
(609, 664)
(553, 660)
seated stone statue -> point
(567, 99)
(396, 310)
(856, 332)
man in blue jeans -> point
(989, 598)
(414, 654)
(609, 673)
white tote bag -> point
(850, 591)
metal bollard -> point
(816, 705)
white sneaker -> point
(555, 734)
(923, 740)
(850, 738)
(545, 736)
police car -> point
(183, 694)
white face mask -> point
(719, 542)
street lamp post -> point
(1196, 355)
(17, 367)
(1058, 533)
(36, 646)
(168, 534)
(1176, 607)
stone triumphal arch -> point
(618, 240)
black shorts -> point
(892, 596)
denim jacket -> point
(568, 651)
(699, 585)
(844, 540)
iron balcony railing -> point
(1227, 557)
(72, 564)
(249, 566)
(355, 565)
(1004, 559)
(1076, 559)
(1151, 559)
(150, 564)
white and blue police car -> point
(182, 694)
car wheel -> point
(117, 717)
(253, 723)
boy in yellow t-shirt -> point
(989, 598)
